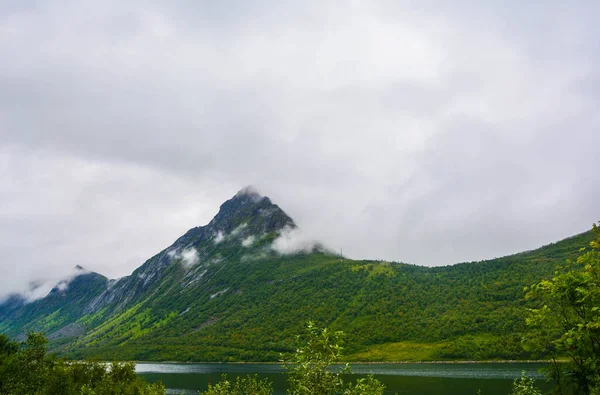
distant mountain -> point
(58, 311)
(224, 292)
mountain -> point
(224, 291)
(56, 313)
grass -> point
(401, 351)
(375, 269)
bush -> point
(524, 386)
(249, 385)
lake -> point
(410, 378)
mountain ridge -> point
(222, 292)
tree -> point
(310, 367)
(310, 371)
(249, 385)
(567, 322)
(524, 386)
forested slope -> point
(253, 307)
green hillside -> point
(467, 311)
(57, 312)
(240, 300)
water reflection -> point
(425, 379)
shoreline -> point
(465, 362)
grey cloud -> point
(384, 128)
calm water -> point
(426, 379)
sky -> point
(429, 132)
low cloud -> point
(248, 241)
(291, 241)
(237, 230)
(41, 288)
(188, 257)
(38, 291)
(219, 237)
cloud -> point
(38, 291)
(291, 241)
(41, 286)
(248, 241)
(239, 229)
(381, 127)
(189, 256)
(219, 237)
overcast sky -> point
(429, 132)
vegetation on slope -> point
(565, 323)
(57, 310)
(222, 293)
(250, 308)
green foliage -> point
(400, 351)
(309, 369)
(524, 386)
(567, 322)
(27, 369)
(366, 386)
(249, 385)
(7, 347)
(55, 311)
(247, 304)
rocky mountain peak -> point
(248, 207)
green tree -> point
(524, 386)
(249, 385)
(310, 367)
(28, 369)
(567, 322)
